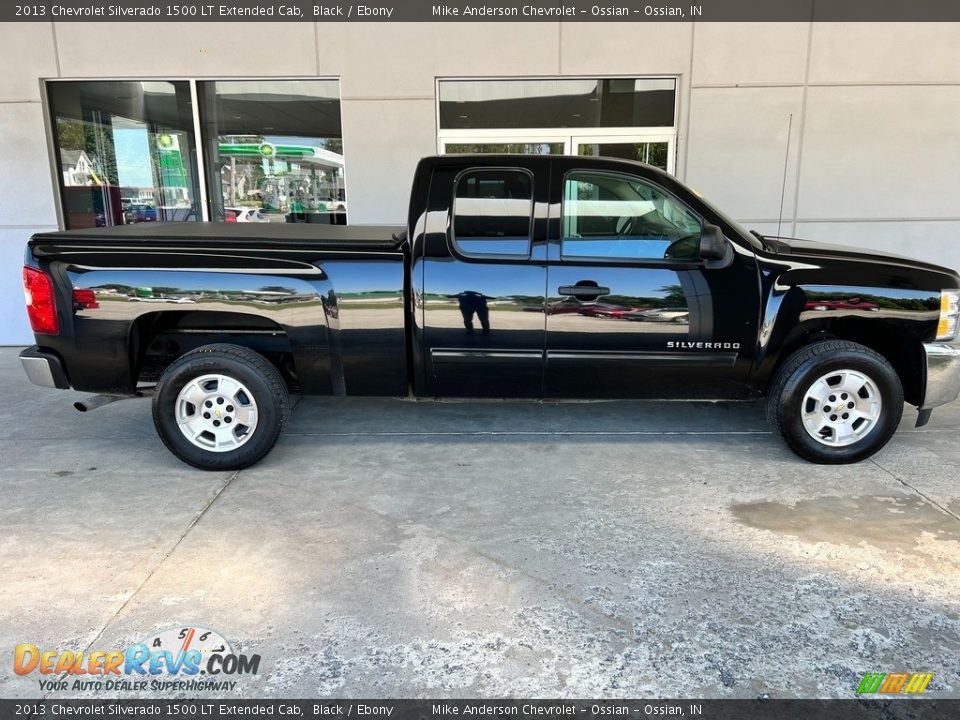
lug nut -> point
(219, 401)
(833, 418)
(208, 403)
(216, 423)
(229, 408)
(850, 405)
(206, 416)
(845, 416)
(228, 420)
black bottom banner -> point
(907, 709)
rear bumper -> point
(942, 374)
(44, 368)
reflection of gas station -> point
(296, 178)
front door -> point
(631, 309)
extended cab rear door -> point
(632, 310)
(481, 297)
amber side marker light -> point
(949, 312)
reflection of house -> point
(77, 168)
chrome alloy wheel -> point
(841, 408)
(216, 413)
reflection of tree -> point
(278, 289)
(674, 294)
(93, 139)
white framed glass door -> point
(510, 143)
(656, 150)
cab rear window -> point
(492, 210)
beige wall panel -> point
(885, 52)
(26, 188)
(186, 49)
(736, 53)
(934, 242)
(26, 55)
(881, 152)
(630, 48)
(738, 145)
(382, 142)
(380, 60)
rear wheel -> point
(835, 402)
(220, 407)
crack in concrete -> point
(396, 522)
(919, 492)
(192, 524)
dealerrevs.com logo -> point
(188, 658)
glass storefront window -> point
(631, 118)
(512, 148)
(125, 152)
(652, 153)
(273, 150)
(559, 103)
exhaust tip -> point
(80, 406)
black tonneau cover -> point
(348, 237)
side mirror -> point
(713, 246)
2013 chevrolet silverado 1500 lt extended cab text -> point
(517, 276)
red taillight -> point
(41, 308)
(84, 300)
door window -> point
(613, 215)
(492, 211)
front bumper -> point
(942, 374)
(44, 368)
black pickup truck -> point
(517, 276)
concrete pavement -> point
(395, 548)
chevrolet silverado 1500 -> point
(516, 276)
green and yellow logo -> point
(892, 683)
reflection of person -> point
(473, 303)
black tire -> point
(255, 373)
(802, 369)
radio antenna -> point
(783, 186)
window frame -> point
(572, 135)
(199, 134)
(452, 243)
(619, 259)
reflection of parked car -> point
(143, 213)
(854, 303)
(221, 215)
(246, 215)
(664, 315)
(605, 310)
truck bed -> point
(332, 237)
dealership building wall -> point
(870, 158)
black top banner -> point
(486, 10)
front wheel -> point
(835, 402)
(220, 407)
